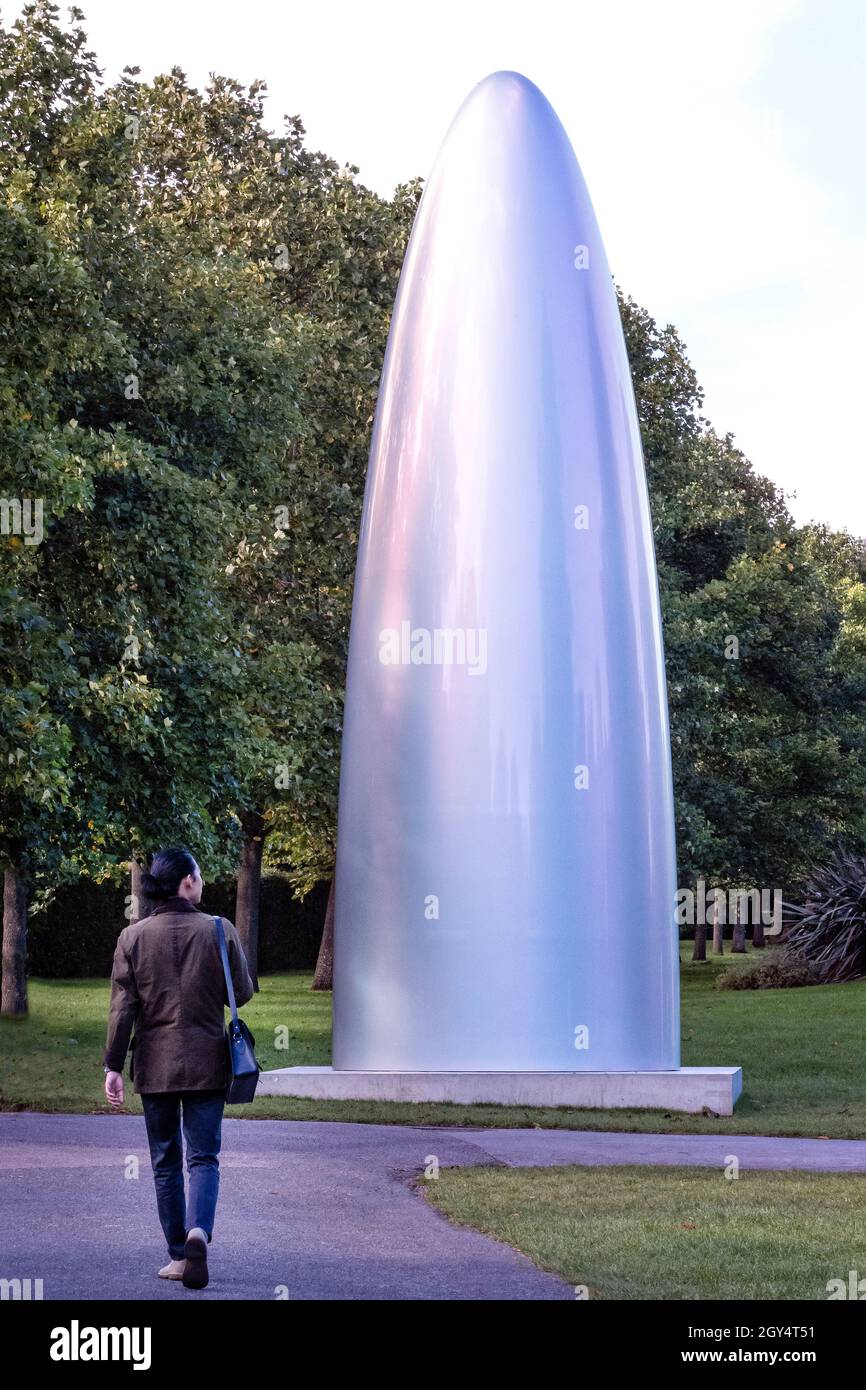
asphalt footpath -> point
(309, 1210)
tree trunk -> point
(758, 942)
(324, 976)
(718, 931)
(13, 998)
(738, 945)
(700, 951)
(249, 890)
(140, 905)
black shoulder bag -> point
(243, 1069)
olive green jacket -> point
(167, 983)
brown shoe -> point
(173, 1270)
(195, 1275)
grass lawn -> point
(801, 1051)
(669, 1233)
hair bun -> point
(154, 887)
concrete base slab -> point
(690, 1089)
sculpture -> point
(505, 856)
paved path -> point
(321, 1208)
(535, 1147)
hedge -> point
(75, 936)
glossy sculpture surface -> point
(505, 858)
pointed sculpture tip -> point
(501, 94)
(506, 81)
(507, 91)
(507, 75)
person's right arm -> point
(238, 965)
(123, 1008)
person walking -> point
(167, 982)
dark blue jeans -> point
(202, 1129)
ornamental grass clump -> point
(828, 929)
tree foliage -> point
(196, 313)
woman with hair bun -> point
(167, 982)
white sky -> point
(722, 142)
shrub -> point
(778, 969)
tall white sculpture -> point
(506, 865)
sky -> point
(722, 144)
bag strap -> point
(218, 923)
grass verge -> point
(800, 1050)
(669, 1233)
